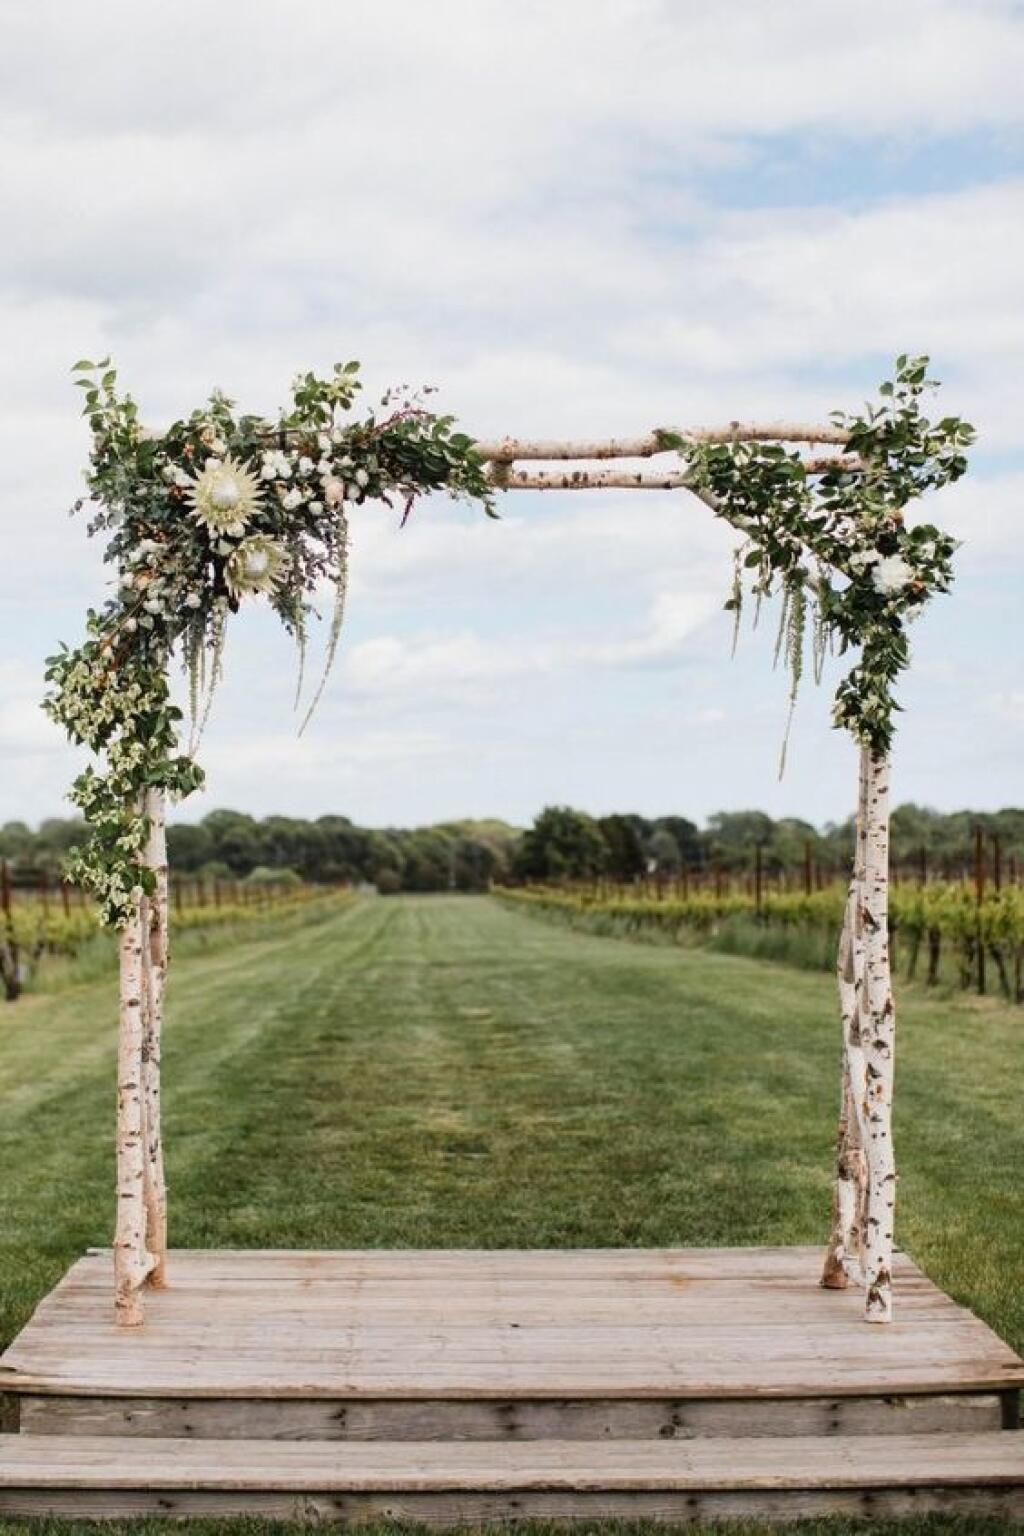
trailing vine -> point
(840, 540)
(219, 508)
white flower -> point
(334, 491)
(362, 478)
(257, 566)
(180, 478)
(291, 500)
(193, 600)
(224, 496)
(276, 465)
(306, 465)
(862, 558)
(891, 574)
(324, 442)
(316, 506)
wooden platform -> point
(481, 1384)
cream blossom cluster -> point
(889, 573)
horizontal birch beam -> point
(506, 477)
(508, 449)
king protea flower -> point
(225, 496)
(256, 567)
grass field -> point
(445, 1071)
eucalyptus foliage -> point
(220, 507)
(840, 543)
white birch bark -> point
(844, 1257)
(648, 444)
(131, 1259)
(878, 1042)
(155, 958)
(505, 476)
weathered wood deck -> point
(410, 1355)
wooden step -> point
(512, 1418)
(446, 1482)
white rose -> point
(269, 470)
(316, 506)
(891, 574)
(362, 478)
(863, 558)
(306, 466)
(284, 469)
(292, 500)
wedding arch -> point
(222, 507)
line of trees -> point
(565, 844)
(229, 845)
(562, 844)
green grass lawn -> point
(444, 1071)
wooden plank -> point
(595, 1324)
(446, 1511)
(799, 1462)
(511, 1419)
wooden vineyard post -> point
(155, 957)
(132, 1262)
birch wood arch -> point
(819, 508)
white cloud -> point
(1008, 706)
(459, 664)
(563, 214)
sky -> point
(576, 217)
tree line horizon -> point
(563, 844)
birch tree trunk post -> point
(155, 958)
(844, 1257)
(131, 1260)
(878, 1037)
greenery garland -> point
(222, 507)
(218, 508)
(840, 540)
